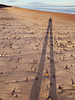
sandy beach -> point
(27, 52)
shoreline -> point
(40, 9)
(34, 9)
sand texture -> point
(30, 46)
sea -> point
(58, 9)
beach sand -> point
(22, 33)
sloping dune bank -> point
(22, 33)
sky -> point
(37, 2)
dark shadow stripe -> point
(52, 92)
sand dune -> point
(24, 50)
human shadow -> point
(52, 91)
(37, 81)
(3, 6)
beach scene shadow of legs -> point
(52, 91)
(38, 79)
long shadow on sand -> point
(37, 82)
(52, 92)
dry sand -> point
(22, 33)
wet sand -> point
(23, 46)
